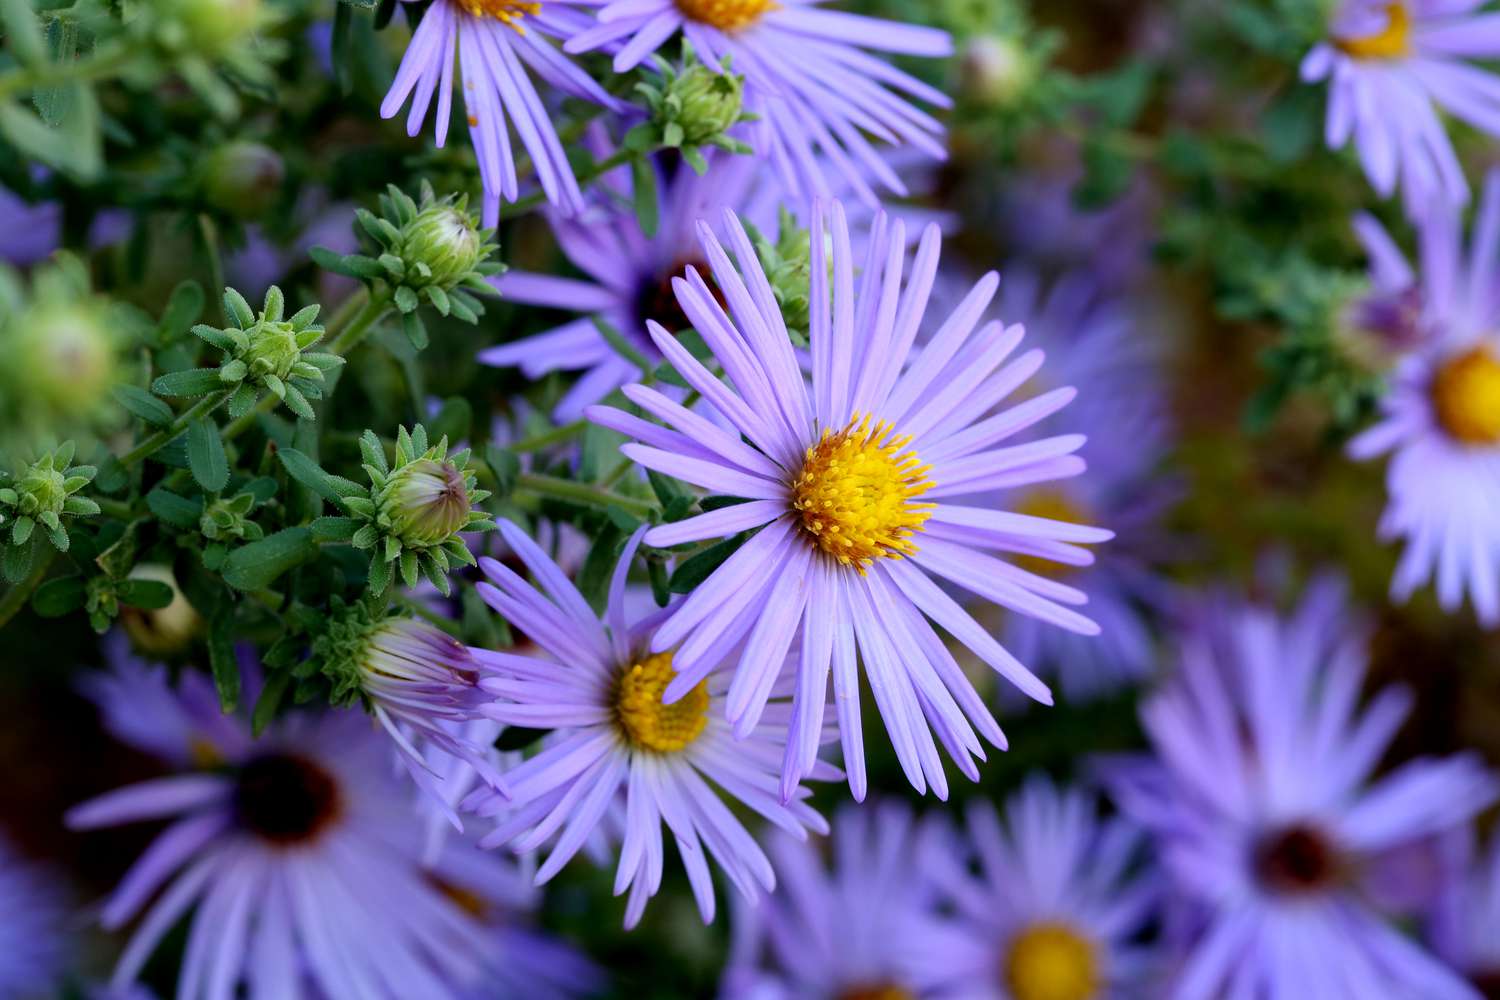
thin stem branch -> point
(103, 61)
(161, 438)
(582, 493)
(556, 435)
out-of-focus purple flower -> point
(853, 489)
(28, 233)
(1392, 66)
(497, 42)
(1464, 925)
(1264, 811)
(1093, 344)
(299, 851)
(865, 926)
(33, 938)
(1054, 908)
(819, 94)
(616, 747)
(1440, 419)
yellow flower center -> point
(1466, 397)
(1055, 505)
(1051, 961)
(726, 15)
(644, 721)
(854, 493)
(1391, 42)
(507, 12)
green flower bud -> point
(44, 494)
(426, 502)
(996, 70)
(65, 357)
(700, 105)
(243, 179)
(273, 350)
(788, 267)
(445, 239)
(209, 28)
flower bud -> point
(209, 28)
(426, 502)
(161, 631)
(43, 495)
(700, 105)
(995, 70)
(273, 350)
(65, 358)
(445, 239)
(243, 179)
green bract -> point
(43, 494)
(415, 510)
(691, 108)
(265, 353)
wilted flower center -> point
(508, 12)
(286, 798)
(1051, 961)
(726, 15)
(648, 724)
(1466, 397)
(855, 493)
(1391, 42)
(1296, 859)
(879, 991)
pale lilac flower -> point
(298, 851)
(1465, 922)
(819, 94)
(1059, 897)
(33, 919)
(618, 754)
(497, 43)
(1094, 344)
(1393, 67)
(854, 488)
(1440, 418)
(1268, 819)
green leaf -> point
(257, 565)
(151, 595)
(645, 198)
(142, 404)
(73, 147)
(53, 103)
(406, 299)
(222, 661)
(415, 330)
(16, 563)
(334, 529)
(269, 701)
(179, 512)
(660, 591)
(183, 310)
(695, 570)
(22, 32)
(350, 265)
(599, 566)
(622, 347)
(59, 597)
(310, 474)
(193, 382)
(206, 458)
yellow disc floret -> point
(1051, 961)
(1466, 397)
(508, 12)
(644, 721)
(726, 15)
(855, 493)
(1391, 42)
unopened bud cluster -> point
(691, 108)
(43, 495)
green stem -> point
(582, 493)
(15, 598)
(209, 234)
(161, 438)
(556, 435)
(103, 61)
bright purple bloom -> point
(1267, 818)
(1440, 418)
(819, 93)
(865, 926)
(33, 919)
(854, 488)
(1094, 344)
(497, 42)
(298, 850)
(1393, 66)
(617, 753)
(1055, 906)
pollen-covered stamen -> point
(1391, 42)
(855, 493)
(726, 15)
(648, 724)
(1051, 961)
(1466, 397)
(507, 12)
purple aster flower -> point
(1440, 418)
(1392, 67)
(1464, 927)
(299, 852)
(1054, 907)
(617, 748)
(1266, 816)
(864, 928)
(853, 489)
(819, 94)
(28, 233)
(497, 42)
(32, 928)
(1094, 344)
